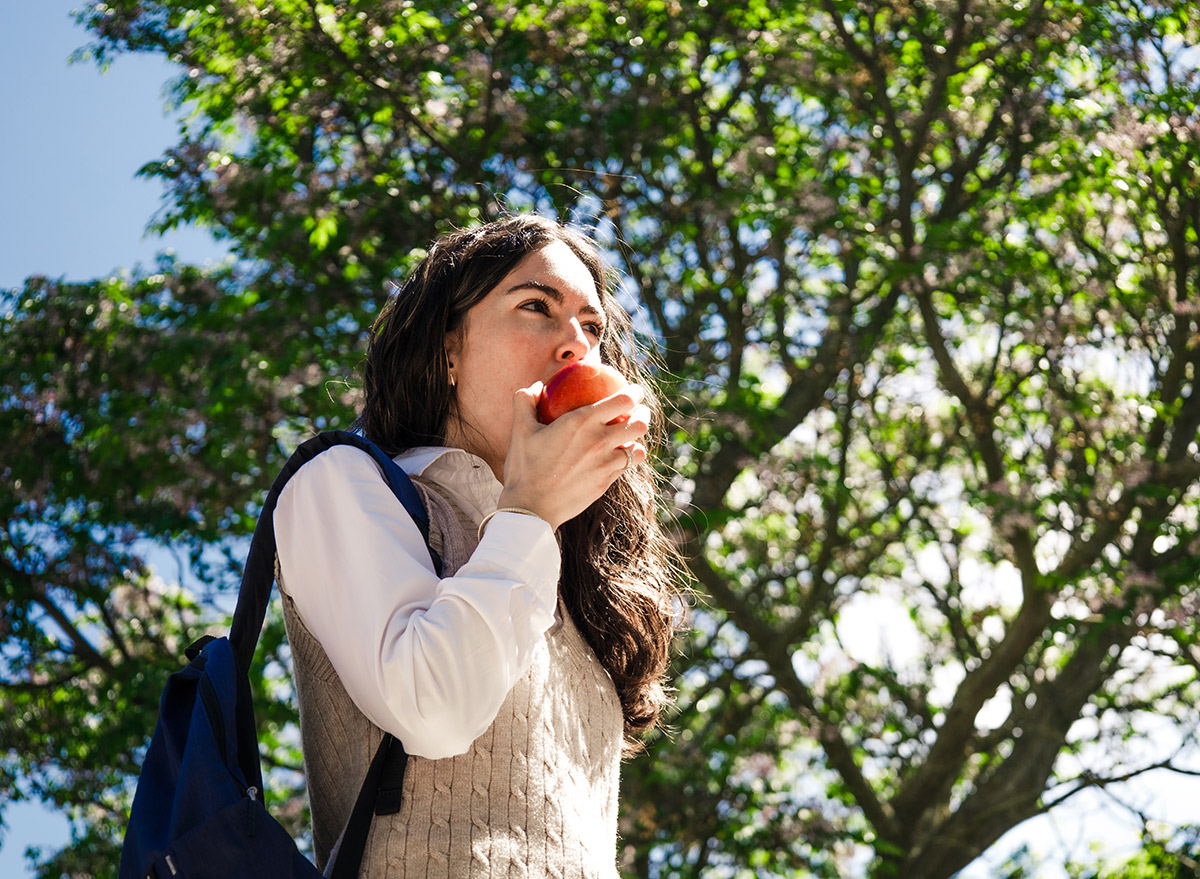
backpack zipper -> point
(216, 718)
(251, 818)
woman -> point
(515, 679)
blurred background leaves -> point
(921, 279)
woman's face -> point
(544, 314)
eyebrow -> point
(555, 294)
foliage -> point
(922, 276)
(1176, 857)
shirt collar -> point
(466, 477)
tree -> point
(923, 276)
(1171, 858)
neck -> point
(460, 436)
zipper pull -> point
(251, 817)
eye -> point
(541, 306)
(595, 328)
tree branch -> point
(776, 653)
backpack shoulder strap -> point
(380, 793)
(259, 573)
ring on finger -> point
(628, 457)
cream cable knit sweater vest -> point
(536, 794)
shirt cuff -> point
(524, 546)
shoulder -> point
(333, 465)
(339, 474)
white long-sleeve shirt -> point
(428, 660)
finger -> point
(630, 456)
(638, 422)
(631, 426)
(532, 392)
(619, 405)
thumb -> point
(525, 405)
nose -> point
(575, 344)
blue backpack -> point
(198, 811)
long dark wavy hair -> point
(620, 571)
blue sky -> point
(74, 140)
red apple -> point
(577, 384)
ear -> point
(453, 345)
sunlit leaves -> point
(923, 281)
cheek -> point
(595, 353)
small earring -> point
(453, 380)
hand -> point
(558, 470)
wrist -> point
(519, 510)
(530, 499)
